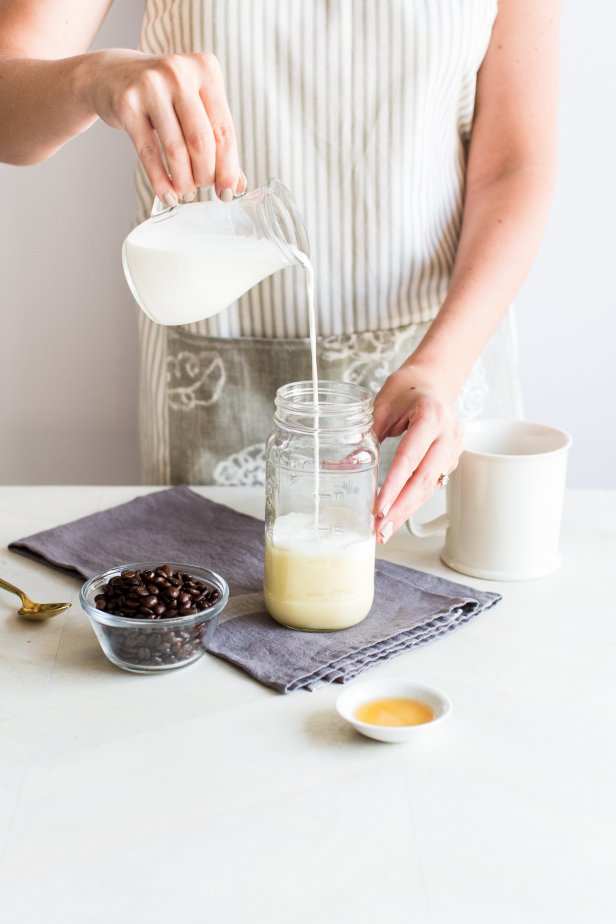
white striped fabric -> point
(363, 108)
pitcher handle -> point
(423, 530)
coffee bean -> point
(154, 595)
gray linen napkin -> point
(410, 607)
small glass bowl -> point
(147, 646)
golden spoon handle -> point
(13, 589)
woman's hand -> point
(175, 111)
(409, 401)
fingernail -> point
(385, 510)
(386, 531)
(226, 195)
(189, 197)
(170, 199)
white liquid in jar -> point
(319, 580)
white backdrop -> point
(68, 340)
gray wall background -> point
(68, 334)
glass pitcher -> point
(188, 262)
(321, 483)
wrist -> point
(83, 80)
(446, 354)
(432, 374)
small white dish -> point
(370, 690)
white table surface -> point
(200, 795)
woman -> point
(418, 137)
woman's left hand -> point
(409, 401)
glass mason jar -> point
(321, 483)
(188, 262)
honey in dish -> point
(395, 711)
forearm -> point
(502, 225)
(511, 165)
(173, 107)
(40, 108)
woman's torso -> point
(363, 109)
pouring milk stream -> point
(188, 263)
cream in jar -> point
(320, 580)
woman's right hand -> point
(176, 113)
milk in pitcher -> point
(191, 265)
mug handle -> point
(423, 530)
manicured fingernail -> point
(189, 197)
(385, 510)
(226, 195)
(386, 531)
(170, 199)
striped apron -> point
(364, 110)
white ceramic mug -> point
(504, 501)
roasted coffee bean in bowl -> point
(153, 617)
